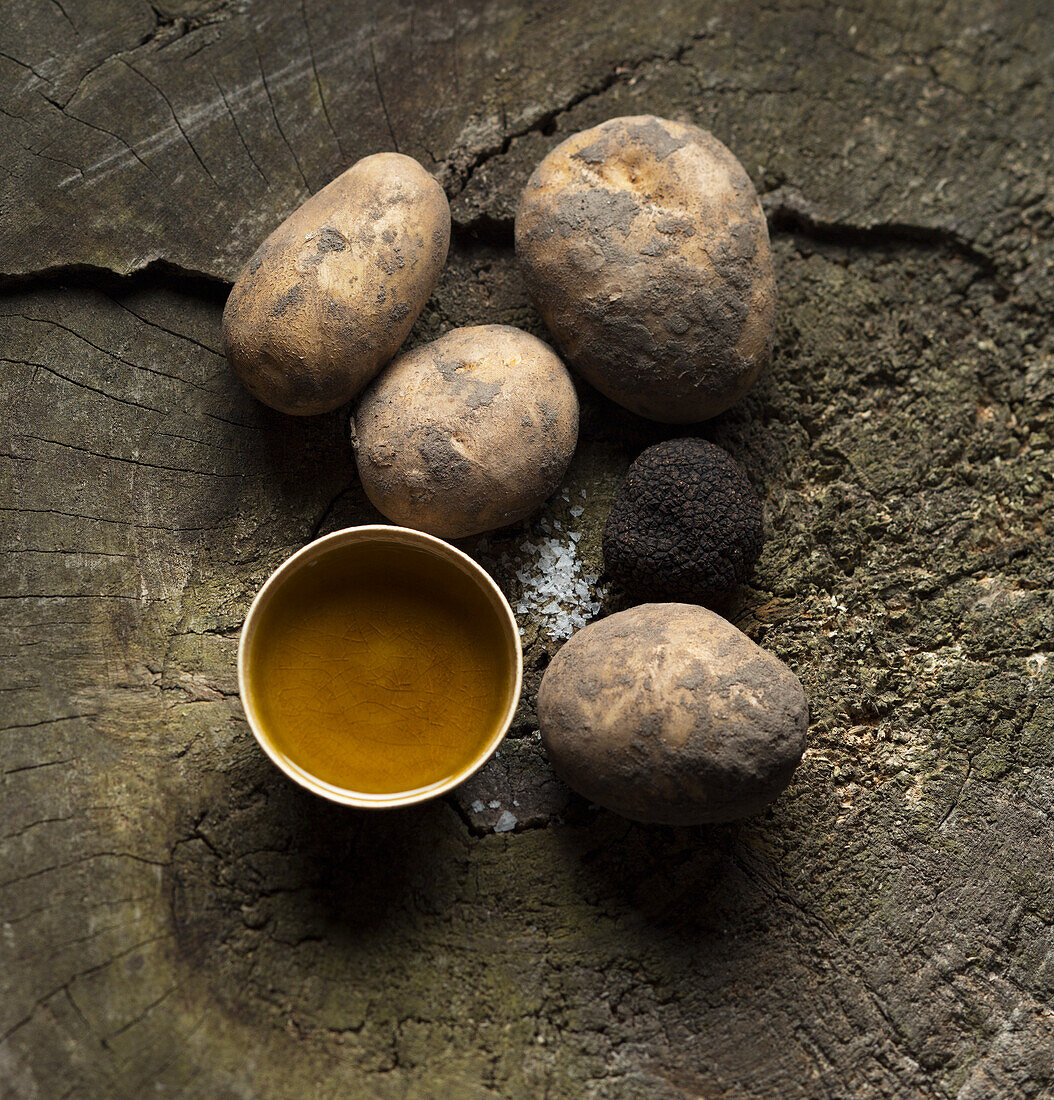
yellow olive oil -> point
(380, 669)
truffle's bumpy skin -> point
(333, 292)
(667, 713)
(685, 525)
(470, 432)
(645, 248)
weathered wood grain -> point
(177, 917)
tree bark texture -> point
(178, 919)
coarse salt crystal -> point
(554, 588)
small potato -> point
(645, 248)
(667, 713)
(470, 432)
(332, 293)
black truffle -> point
(685, 526)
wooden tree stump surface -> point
(179, 920)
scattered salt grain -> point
(477, 807)
(553, 588)
(494, 805)
(506, 823)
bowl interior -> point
(379, 666)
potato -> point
(645, 248)
(666, 713)
(331, 294)
(470, 432)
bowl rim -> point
(376, 532)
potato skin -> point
(645, 248)
(332, 293)
(470, 432)
(666, 713)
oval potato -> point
(467, 433)
(645, 248)
(332, 293)
(667, 713)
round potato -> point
(645, 248)
(470, 432)
(332, 293)
(667, 713)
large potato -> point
(331, 294)
(667, 713)
(645, 248)
(470, 432)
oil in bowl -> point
(380, 666)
